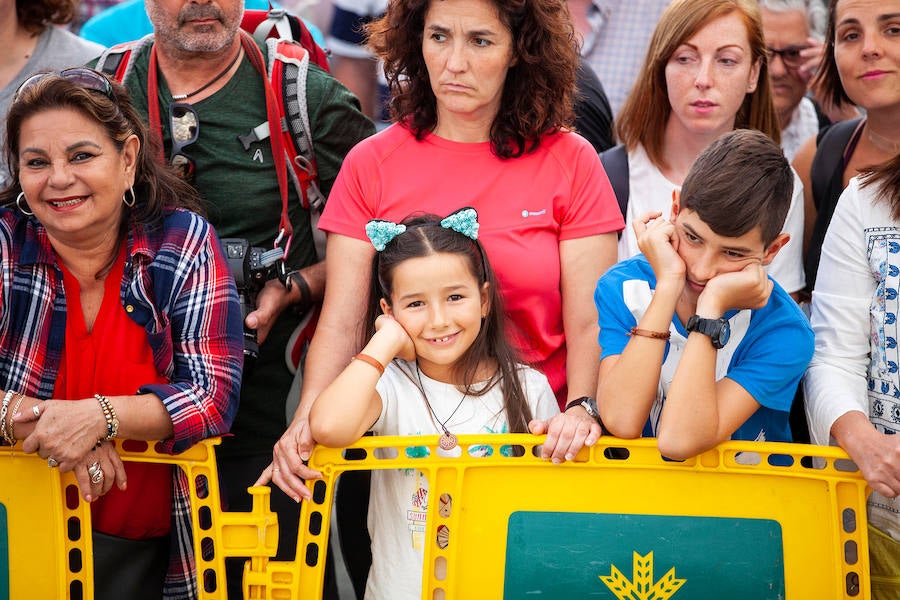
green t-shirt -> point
(242, 198)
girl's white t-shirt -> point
(398, 502)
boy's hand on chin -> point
(748, 288)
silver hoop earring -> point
(19, 199)
(125, 197)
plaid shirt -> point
(617, 43)
(178, 286)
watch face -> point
(718, 330)
(724, 331)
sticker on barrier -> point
(744, 520)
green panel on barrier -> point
(610, 556)
(4, 555)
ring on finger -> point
(52, 462)
(97, 477)
(95, 472)
(36, 410)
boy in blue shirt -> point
(698, 344)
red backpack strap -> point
(276, 138)
(288, 66)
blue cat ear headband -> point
(464, 221)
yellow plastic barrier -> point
(45, 525)
(619, 522)
(744, 520)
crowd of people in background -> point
(526, 204)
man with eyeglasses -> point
(794, 30)
(205, 92)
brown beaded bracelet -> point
(369, 360)
(109, 413)
(656, 335)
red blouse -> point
(114, 359)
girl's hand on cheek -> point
(386, 325)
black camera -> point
(251, 267)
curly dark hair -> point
(539, 91)
(156, 187)
(35, 15)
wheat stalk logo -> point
(643, 587)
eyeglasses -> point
(80, 76)
(185, 128)
(790, 56)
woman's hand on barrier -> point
(288, 469)
(66, 431)
(877, 455)
(99, 471)
(567, 433)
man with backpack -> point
(220, 101)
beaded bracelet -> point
(112, 423)
(4, 408)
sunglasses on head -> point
(84, 78)
(185, 127)
(790, 56)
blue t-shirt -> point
(767, 353)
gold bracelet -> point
(112, 423)
(12, 425)
(4, 409)
(369, 360)
(656, 335)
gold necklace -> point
(883, 143)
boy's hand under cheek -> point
(748, 288)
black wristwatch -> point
(588, 403)
(718, 330)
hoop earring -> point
(125, 197)
(19, 199)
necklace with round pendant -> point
(448, 440)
